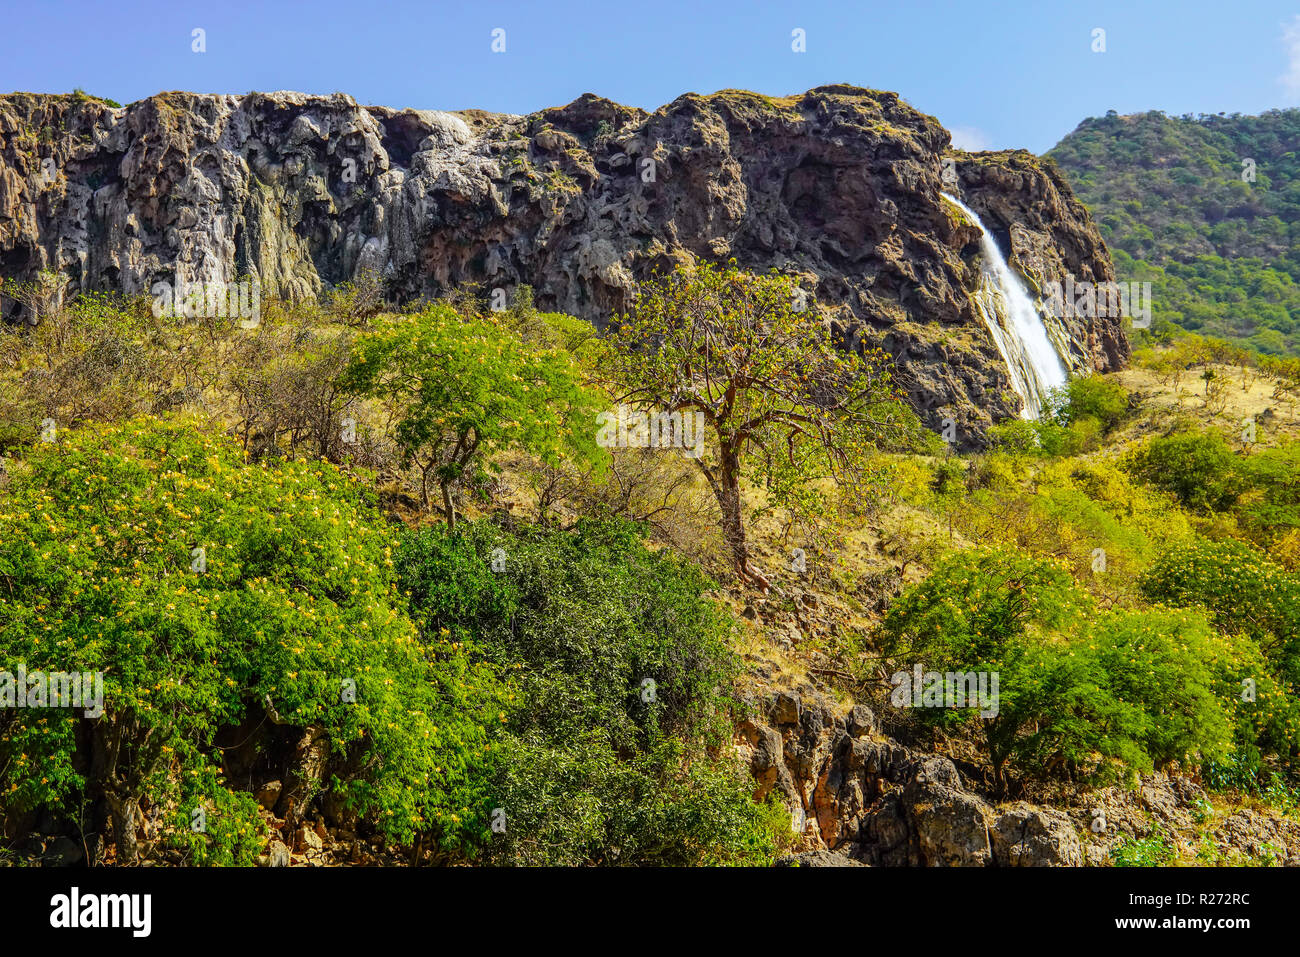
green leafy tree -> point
(1095, 397)
(1198, 468)
(614, 751)
(210, 592)
(1077, 693)
(782, 404)
(1162, 663)
(974, 613)
(464, 389)
(1242, 589)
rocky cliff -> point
(860, 797)
(840, 185)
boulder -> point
(1028, 836)
(786, 709)
(277, 854)
(307, 840)
(861, 721)
(951, 827)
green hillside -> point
(1173, 198)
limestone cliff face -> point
(839, 185)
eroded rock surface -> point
(840, 185)
(863, 797)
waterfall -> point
(1015, 324)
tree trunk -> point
(123, 755)
(733, 526)
(448, 506)
(94, 839)
(122, 810)
(997, 759)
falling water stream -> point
(1015, 324)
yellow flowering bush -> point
(207, 592)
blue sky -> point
(1001, 74)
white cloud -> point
(972, 140)
(1291, 40)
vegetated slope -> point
(1140, 523)
(1175, 202)
(337, 687)
(329, 686)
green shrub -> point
(1016, 436)
(1271, 508)
(208, 591)
(463, 389)
(1256, 604)
(622, 671)
(1242, 589)
(1080, 693)
(1077, 416)
(1197, 468)
(590, 614)
(975, 612)
(1093, 397)
(1162, 663)
(1057, 439)
(581, 802)
(1153, 851)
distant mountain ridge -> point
(1208, 207)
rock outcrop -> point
(840, 186)
(855, 795)
(858, 795)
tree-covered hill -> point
(1207, 208)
